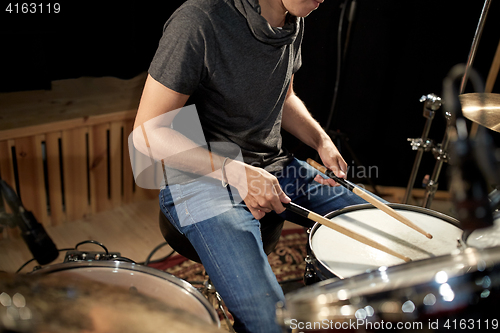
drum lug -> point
(309, 273)
(461, 245)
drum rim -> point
(352, 208)
(64, 266)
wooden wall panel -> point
(75, 173)
(116, 130)
(57, 213)
(99, 182)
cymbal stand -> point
(441, 154)
(431, 104)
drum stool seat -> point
(271, 226)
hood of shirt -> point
(262, 30)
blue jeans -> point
(230, 243)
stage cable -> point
(341, 52)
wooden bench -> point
(65, 150)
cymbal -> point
(482, 108)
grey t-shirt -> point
(237, 68)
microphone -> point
(39, 242)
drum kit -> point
(453, 280)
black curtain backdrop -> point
(397, 51)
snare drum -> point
(454, 292)
(336, 255)
(151, 282)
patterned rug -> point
(287, 260)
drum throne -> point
(271, 226)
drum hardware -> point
(441, 155)
(432, 103)
(309, 272)
(310, 276)
(475, 44)
(440, 151)
(419, 144)
(74, 255)
(366, 196)
(212, 295)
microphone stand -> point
(34, 235)
(6, 220)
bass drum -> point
(448, 293)
(335, 255)
(148, 281)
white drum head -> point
(346, 257)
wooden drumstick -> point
(362, 194)
(349, 233)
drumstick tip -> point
(428, 235)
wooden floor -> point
(133, 231)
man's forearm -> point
(298, 121)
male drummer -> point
(237, 60)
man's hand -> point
(263, 191)
(332, 160)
